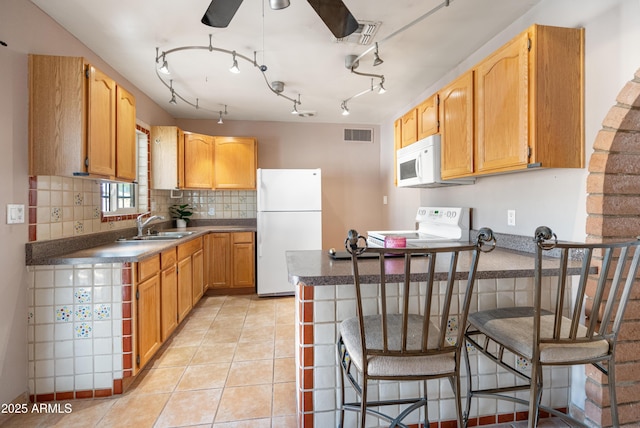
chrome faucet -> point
(141, 224)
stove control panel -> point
(443, 215)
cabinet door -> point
(502, 99)
(148, 319)
(243, 265)
(198, 161)
(126, 159)
(57, 135)
(221, 260)
(197, 266)
(410, 127)
(165, 162)
(185, 288)
(169, 296)
(101, 123)
(235, 163)
(207, 247)
(427, 113)
(456, 127)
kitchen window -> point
(121, 198)
(118, 197)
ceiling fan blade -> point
(336, 16)
(220, 12)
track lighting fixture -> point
(295, 106)
(220, 122)
(277, 87)
(345, 110)
(381, 89)
(173, 93)
(377, 61)
(234, 68)
(278, 4)
(164, 66)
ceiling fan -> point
(334, 14)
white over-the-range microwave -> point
(418, 165)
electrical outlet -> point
(511, 217)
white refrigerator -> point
(289, 218)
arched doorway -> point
(613, 212)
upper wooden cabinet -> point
(521, 107)
(235, 163)
(126, 142)
(456, 127)
(409, 128)
(197, 155)
(75, 121)
(529, 102)
(166, 169)
(182, 160)
(427, 116)
(101, 123)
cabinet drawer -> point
(168, 258)
(243, 237)
(188, 248)
(147, 268)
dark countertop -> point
(315, 267)
(105, 248)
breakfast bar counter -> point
(325, 296)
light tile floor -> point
(229, 365)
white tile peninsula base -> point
(320, 309)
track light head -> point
(173, 98)
(234, 68)
(377, 61)
(345, 110)
(220, 122)
(164, 68)
(381, 89)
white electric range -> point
(435, 224)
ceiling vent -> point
(364, 135)
(363, 35)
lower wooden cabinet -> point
(190, 276)
(170, 284)
(168, 293)
(197, 269)
(232, 263)
(147, 316)
(167, 286)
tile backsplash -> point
(61, 207)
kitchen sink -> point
(161, 236)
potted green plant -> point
(181, 212)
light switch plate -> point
(15, 213)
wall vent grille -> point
(363, 135)
(363, 35)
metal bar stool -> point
(559, 335)
(401, 333)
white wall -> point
(557, 197)
(13, 175)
